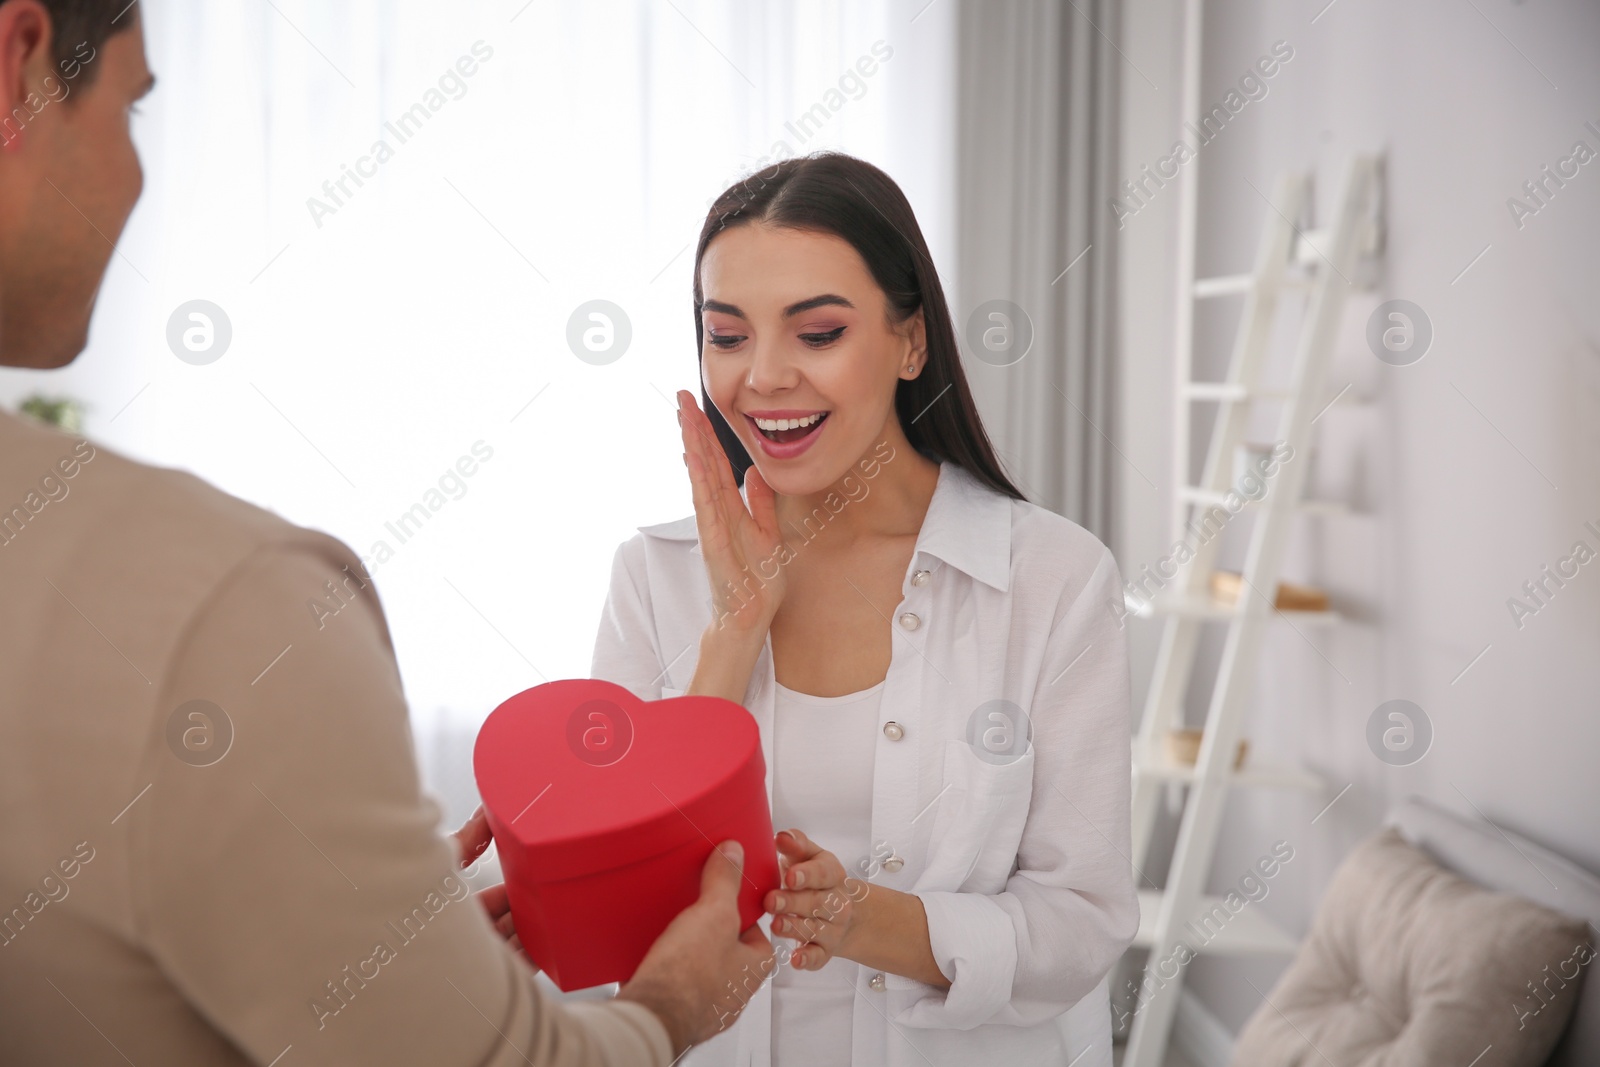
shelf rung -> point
(1215, 930)
(1255, 772)
(1193, 494)
(1223, 285)
(1234, 284)
(1210, 610)
(1231, 391)
(1312, 245)
(1238, 391)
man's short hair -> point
(75, 23)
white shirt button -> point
(876, 982)
(920, 577)
(893, 864)
(909, 621)
(893, 731)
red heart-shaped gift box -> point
(605, 808)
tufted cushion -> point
(1410, 965)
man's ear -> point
(26, 39)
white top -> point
(822, 786)
(1021, 863)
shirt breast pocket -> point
(978, 820)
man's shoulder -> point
(71, 507)
(45, 472)
(89, 536)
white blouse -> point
(1001, 775)
(822, 786)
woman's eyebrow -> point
(721, 308)
(825, 300)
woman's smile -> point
(802, 355)
(785, 434)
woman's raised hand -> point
(743, 548)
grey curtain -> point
(1036, 153)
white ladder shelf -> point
(1326, 264)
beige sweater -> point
(261, 884)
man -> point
(215, 846)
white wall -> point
(1470, 470)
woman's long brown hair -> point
(830, 192)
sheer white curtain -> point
(536, 156)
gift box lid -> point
(579, 775)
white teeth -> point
(788, 424)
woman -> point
(939, 680)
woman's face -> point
(799, 354)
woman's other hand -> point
(816, 902)
(743, 548)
